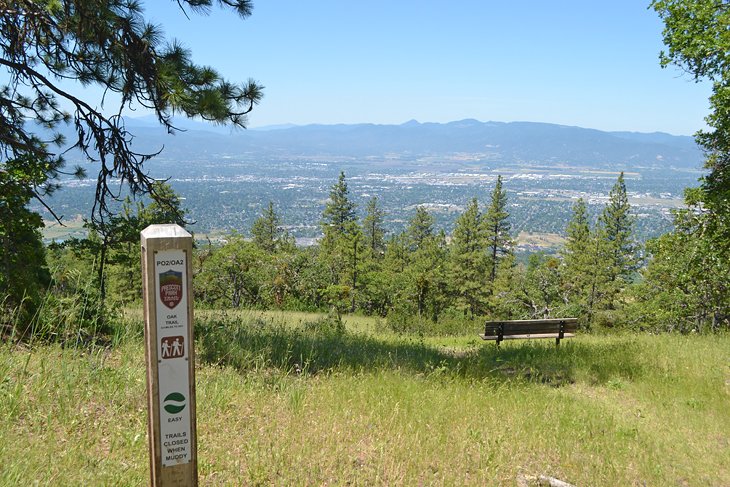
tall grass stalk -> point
(289, 402)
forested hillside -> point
(420, 280)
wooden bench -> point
(557, 328)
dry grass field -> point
(286, 399)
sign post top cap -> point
(168, 230)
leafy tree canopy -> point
(47, 44)
(697, 40)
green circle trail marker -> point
(168, 312)
(174, 403)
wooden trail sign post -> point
(168, 315)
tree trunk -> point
(101, 277)
(354, 276)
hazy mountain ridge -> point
(226, 176)
(499, 142)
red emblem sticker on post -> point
(171, 288)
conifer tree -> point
(598, 264)
(267, 231)
(372, 275)
(423, 274)
(339, 212)
(121, 253)
(373, 230)
(354, 258)
(577, 255)
(587, 266)
(505, 301)
(341, 247)
(420, 228)
(418, 280)
(497, 228)
(389, 286)
(396, 254)
(578, 231)
(600, 288)
(618, 224)
(468, 263)
(615, 254)
(47, 46)
(165, 206)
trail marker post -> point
(168, 315)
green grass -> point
(288, 400)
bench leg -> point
(561, 330)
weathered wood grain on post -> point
(169, 352)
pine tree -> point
(616, 257)
(505, 301)
(388, 286)
(48, 46)
(578, 231)
(497, 228)
(373, 230)
(353, 254)
(468, 262)
(53, 49)
(587, 266)
(371, 276)
(339, 211)
(420, 228)
(618, 224)
(267, 232)
(426, 277)
(165, 207)
(577, 255)
(341, 248)
(123, 274)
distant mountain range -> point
(487, 142)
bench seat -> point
(527, 336)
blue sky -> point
(586, 63)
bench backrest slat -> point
(536, 321)
(520, 327)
